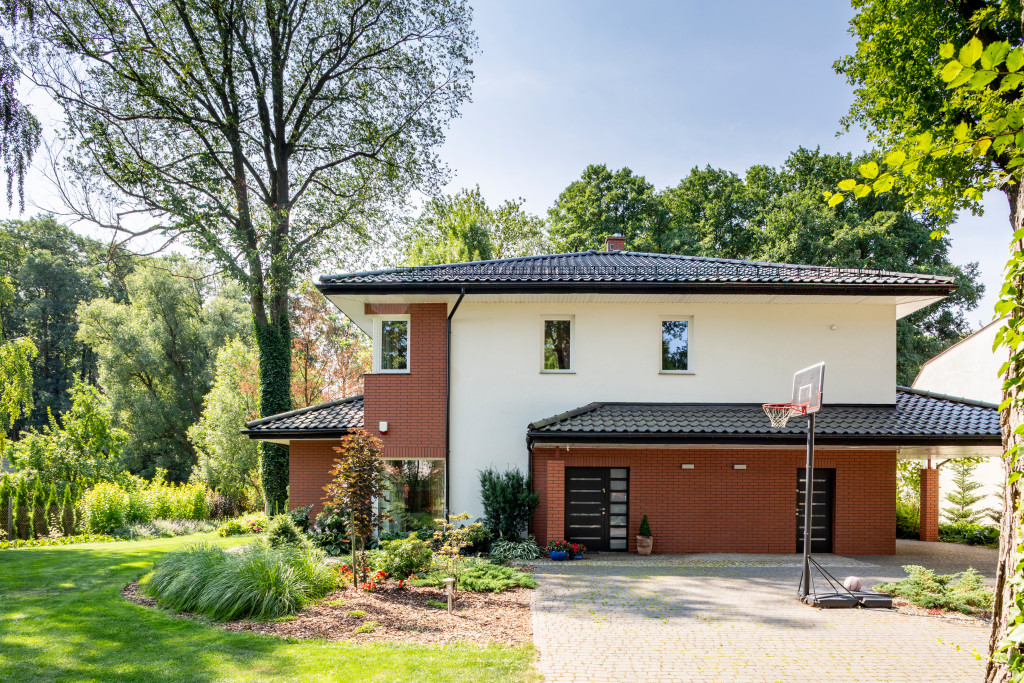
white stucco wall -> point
(970, 369)
(738, 353)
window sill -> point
(677, 372)
(558, 372)
(389, 372)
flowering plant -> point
(562, 546)
(578, 549)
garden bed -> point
(903, 606)
(399, 616)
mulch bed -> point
(903, 606)
(400, 616)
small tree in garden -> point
(5, 506)
(22, 512)
(52, 511)
(67, 520)
(963, 497)
(508, 502)
(451, 541)
(39, 509)
(357, 479)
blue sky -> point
(659, 87)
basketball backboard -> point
(807, 387)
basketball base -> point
(843, 600)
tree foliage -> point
(228, 460)
(20, 129)
(156, 355)
(508, 502)
(262, 133)
(963, 498)
(459, 228)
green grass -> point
(62, 617)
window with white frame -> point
(391, 344)
(675, 345)
(558, 341)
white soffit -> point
(943, 452)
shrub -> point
(908, 519)
(508, 502)
(259, 582)
(104, 508)
(253, 523)
(165, 528)
(53, 510)
(63, 540)
(400, 558)
(970, 534)
(963, 592)
(22, 512)
(493, 578)
(330, 532)
(300, 517)
(68, 512)
(39, 526)
(283, 532)
(645, 528)
(6, 510)
(504, 550)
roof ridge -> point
(947, 397)
(303, 411)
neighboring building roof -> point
(601, 271)
(917, 418)
(324, 420)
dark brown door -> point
(597, 507)
(821, 506)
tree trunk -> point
(273, 338)
(1005, 606)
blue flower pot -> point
(558, 555)
(577, 557)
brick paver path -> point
(735, 618)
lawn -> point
(62, 617)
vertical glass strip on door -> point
(618, 508)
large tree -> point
(19, 128)
(262, 133)
(157, 357)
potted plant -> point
(644, 542)
(558, 550)
(578, 551)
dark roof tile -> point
(334, 416)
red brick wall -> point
(715, 508)
(929, 505)
(309, 467)
(413, 403)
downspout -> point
(448, 406)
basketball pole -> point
(805, 577)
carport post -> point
(805, 577)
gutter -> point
(693, 438)
(448, 405)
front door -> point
(821, 509)
(597, 507)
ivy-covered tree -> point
(265, 134)
(963, 497)
(358, 479)
(156, 353)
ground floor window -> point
(415, 494)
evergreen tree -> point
(5, 505)
(53, 509)
(39, 509)
(68, 512)
(22, 513)
(963, 496)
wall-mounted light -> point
(383, 427)
(834, 327)
(739, 467)
(687, 466)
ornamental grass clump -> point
(963, 592)
(257, 582)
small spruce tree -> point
(68, 512)
(22, 512)
(963, 496)
(645, 528)
(53, 510)
(6, 509)
(39, 510)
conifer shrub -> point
(508, 502)
(282, 531)
(67, 520)
(53, 510)
(963, 592)
(39, 496)
(6, 510)
(645, 528)
(22, 512)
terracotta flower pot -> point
(644, 544)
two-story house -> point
(631, 384)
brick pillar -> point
(929, 505)
(556, 500)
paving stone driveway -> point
(735, 618)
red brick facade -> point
(413, 405)
(715, 508)
(929, 505)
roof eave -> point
(695, 438)
(294, 434)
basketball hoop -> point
(779, 413)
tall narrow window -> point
(675, 345)
(557, 345)
(394, 345)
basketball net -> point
(779, 413)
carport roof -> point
(918, 418)
(324, 420)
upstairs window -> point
(392, 344)
(558, 345)
(675, 345)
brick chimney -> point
(615, 242)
